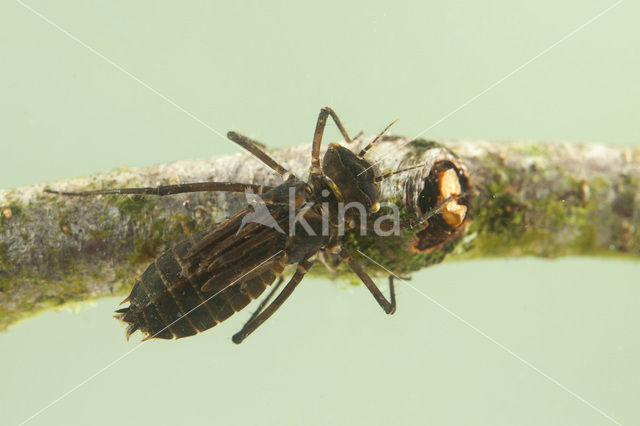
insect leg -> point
(172, 189)
(389, 306)
(392, 292)
(317, 135)
(255, 148)
(302, 268)
(356, 138)
(266, 300)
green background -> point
(330, 356)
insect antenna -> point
(389, 174)
(364, 150)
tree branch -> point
(530, 200)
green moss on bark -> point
(57, 251)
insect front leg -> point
(302, 268)
(317, 135)
(357, 137)
(389, 306)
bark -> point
(529, 199)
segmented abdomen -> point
(165, 303)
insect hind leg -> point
(255, 322)
(170, 189)
(266, 300)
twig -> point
(530, 199)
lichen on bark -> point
(529, 200)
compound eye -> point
(375, 207)
(308, 189)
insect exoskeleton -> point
(203, 280)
